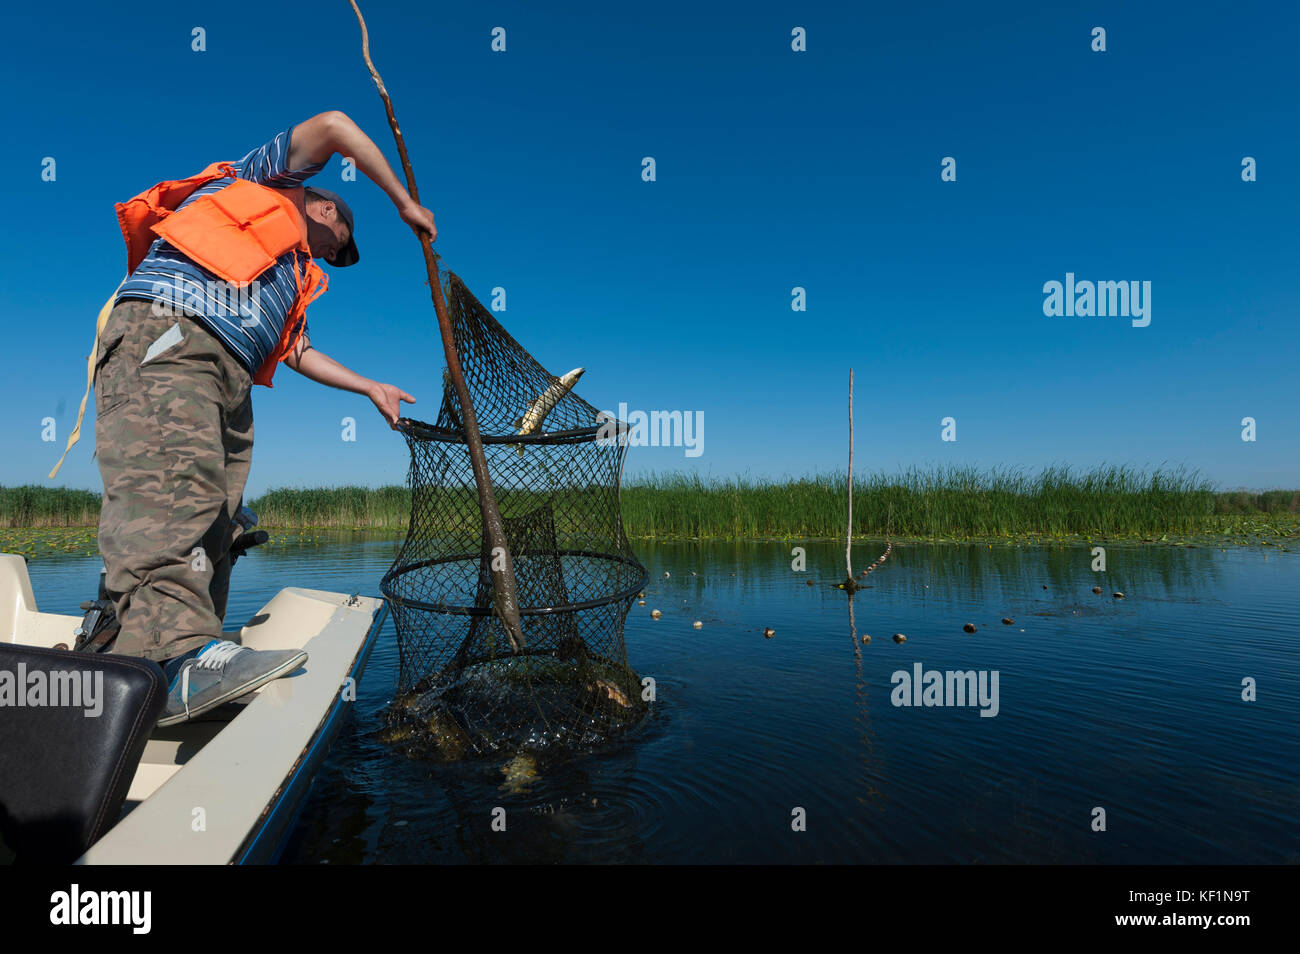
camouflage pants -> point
(174, 439)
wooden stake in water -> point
(851, 585)
(504, 595)
(848, 536)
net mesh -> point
(462, 691)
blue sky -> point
(775, 169)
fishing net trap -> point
(555, 462)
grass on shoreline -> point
(952, 503)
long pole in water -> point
(505, 598)
(848, 535)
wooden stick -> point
(504, 594)
(850, 585)
(848, 540)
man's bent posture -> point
(220, 274)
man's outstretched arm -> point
(323, 369)
(317, 139)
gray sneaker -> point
(223, 671)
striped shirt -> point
(248, 321)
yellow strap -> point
(90, 375)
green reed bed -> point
(945, 503)
(36, 506)
(344, 507)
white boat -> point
(226, 791)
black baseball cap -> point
(348, 254)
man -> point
(177, 358)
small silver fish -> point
(532, 418)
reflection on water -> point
(1132, 705)
(867, 790)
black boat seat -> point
(73, 727)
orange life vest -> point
(236, 233)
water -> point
(1134, 706)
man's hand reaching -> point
(419, 219)
(321, 368)
(388, 399)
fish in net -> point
(555, 463)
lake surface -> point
(1133, 706)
